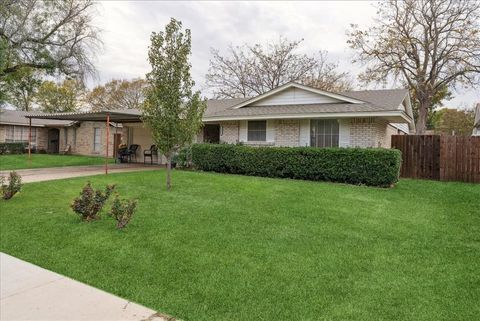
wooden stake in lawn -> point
(171, 110)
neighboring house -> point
(476, 127)
(14, 128)
(291, 115)
(298, 115)
(53, 136)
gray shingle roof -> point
(375, 101)
(17, 117)
(389, 99)
(217, 105)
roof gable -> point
(294, 94)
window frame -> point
(330, 135)
(97, 146)
(262, 132)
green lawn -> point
(225, 247)
(11, 162)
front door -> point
(211, 134)
(53, 140)
(117, 140)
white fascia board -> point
(20, 124)
(293, 84)
(399, 114)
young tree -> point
(171, 109)
(253, 70)
(55, 36)
(118, 94)
(430, 45)
(64, 97)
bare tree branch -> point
(431, 45)
(250, 70)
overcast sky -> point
(126, 28)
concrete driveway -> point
(48, 174)
(29, 292)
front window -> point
(19, 134)
(324, 133)
(96, 139)
(257, 131)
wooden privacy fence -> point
(445, 158)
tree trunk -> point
(169, 171)
(423, 106)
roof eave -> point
(396, 113)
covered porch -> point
(105, 131)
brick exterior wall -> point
(287, 133)
(389, 131)
(2, 133)
(80, 138)
(368, 132)
(229, 132)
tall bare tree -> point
(250, 70)
(430, 45)
(56, 36)
(118, 94)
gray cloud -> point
(127, 27)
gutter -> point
(312, 115)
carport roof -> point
(117, 116)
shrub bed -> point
(12, 148)
(360, 166)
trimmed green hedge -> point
(12, 148)
(360, 166)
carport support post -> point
(106, 147)
(30, 139)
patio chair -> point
(67, 150)
(153, 151)
(132, 151)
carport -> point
(107, 116)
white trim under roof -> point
(299, 86)
(400, 115)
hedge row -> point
(12, 148)
(360, 166)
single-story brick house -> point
(53, 135)
(290, 115)
(298, 115)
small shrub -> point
(184, 157)
(13, 187)
(122, 211)
(359, 166)
(90, 202)
(13, 148)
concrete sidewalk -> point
(29, 292)
(48, 174)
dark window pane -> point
(257, 130)
(335, 141)
(328, 140)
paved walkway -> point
(47, 174)
(28, 292)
